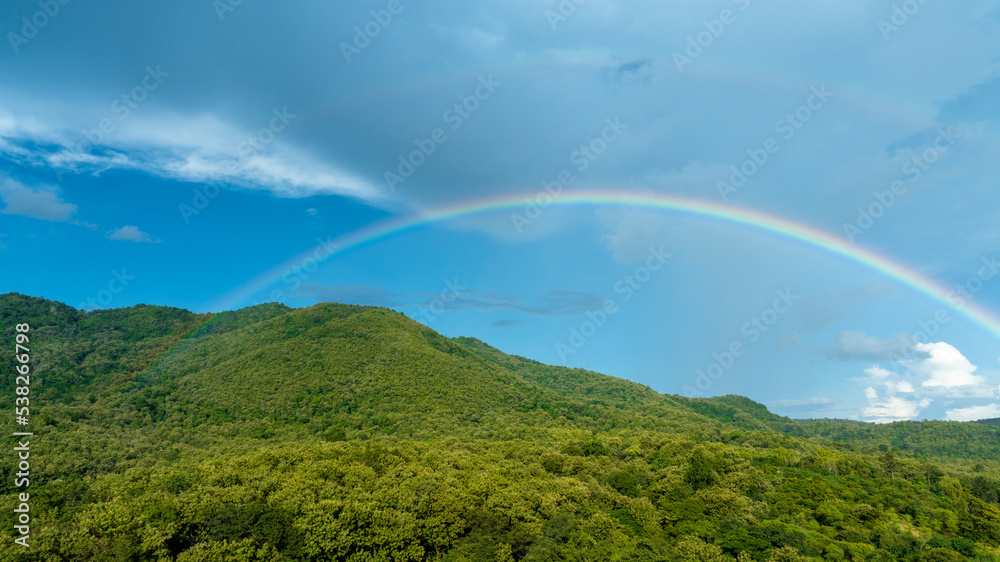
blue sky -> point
(171, 153)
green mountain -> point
(341, 432)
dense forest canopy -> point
(341, 432)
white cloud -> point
(632, 233)
(946, 368)
(973, 413)
(130, 234)
(903, 386)
(891, 409)
(878, 372)
(896, 387)
(43, 203)
(193, 149)
(943, 373)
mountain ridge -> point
(351, 432)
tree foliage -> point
(353, 433)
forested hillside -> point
(342, 432)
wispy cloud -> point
(355, 293)
(193, 149)
(852, 345)
(805, 405)
(130, 234)
(42, 202)
(805, 402)
(632, 233)
(550, 303)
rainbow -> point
(753, 219)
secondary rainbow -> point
(749, 218)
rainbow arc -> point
(747, 218)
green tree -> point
(700, 472)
